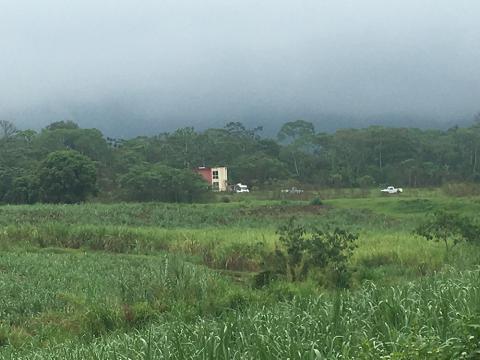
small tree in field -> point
(293, 238)
(449, 228)
(332, 248)
(316, 249)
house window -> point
(215, 174)
(216, 185)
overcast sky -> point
(145, 65)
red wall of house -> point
(206, 173)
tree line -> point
(65, 163)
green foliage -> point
(336, 180)
(366, 181)
(292, 236)
(334, 249)
(316, 201)
(66, 176)
(88, 142)
(316, 249)
(258, 169)
(372, 323)
(117, 294)
(97, 294)
(69, 124)
(7, 176)
(18, 186)
(347, 158)
(23, 190)
(162, 183)
(449, 228)
(3, 337)
(295, 130)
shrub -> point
(448, 228)
(333, 248)
(305, 250)
(316, 201)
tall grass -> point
(47, 295)
(437, 318)
(135, 281)
(256, 214)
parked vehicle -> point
(292, 190)
(241, 188)
(392, 190)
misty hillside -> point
(130, 70)
(129, 119)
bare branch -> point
(7, 129)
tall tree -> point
(67, 176)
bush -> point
(305, 250)
(449, 228)
(316, 201)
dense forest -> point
(65, 163)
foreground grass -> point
(151, 281)
(51, 295)
(436, 318)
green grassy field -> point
(155, 281)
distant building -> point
(217, 177)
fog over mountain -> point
(130, 68)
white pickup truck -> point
(241, 188)
(392, 190)
(292, 190)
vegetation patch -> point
(106, 281)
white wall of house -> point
(219, 179)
